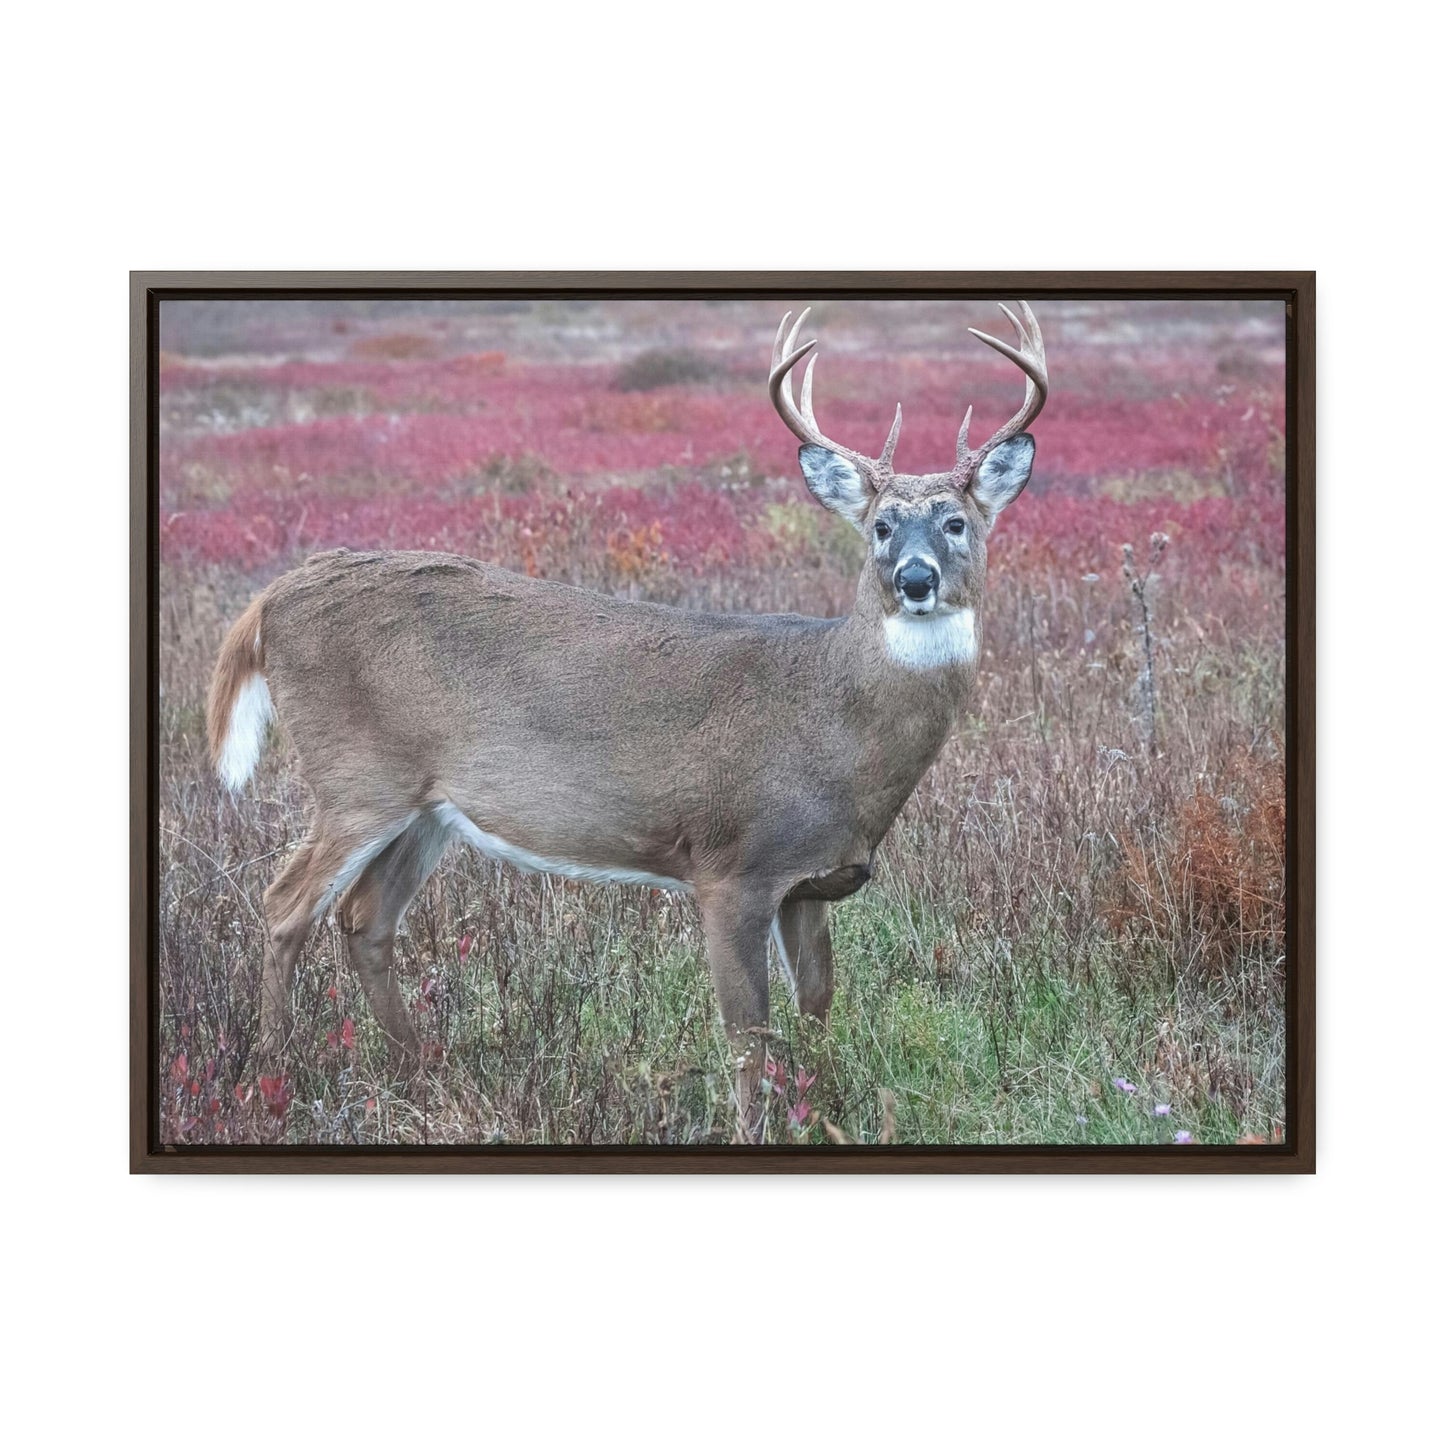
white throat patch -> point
(941, 639)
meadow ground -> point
(1076, 929)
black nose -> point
(917, 578)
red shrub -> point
(415, 453)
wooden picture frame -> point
(1296, 1154)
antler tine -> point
(807, 399)
(885, 458)
(778, 339)
(1028, 356)
(780, 388)
(798, 414)
(1029, 360)
(963, 454)
(1035, 335)
(780, 346)
(797, 327)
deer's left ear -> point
(1003, 475)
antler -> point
(1029, 358)
(801, 422)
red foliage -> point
(276, 1093)
(412, 459)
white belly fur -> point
(461, 826)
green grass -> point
(603, 1029)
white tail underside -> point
(251, 715)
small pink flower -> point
(1184, 1137)
(1160, 1110)
(1124, 1086)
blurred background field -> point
(1076, 931)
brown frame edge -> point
(1295, 1156)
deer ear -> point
(836, 482)
(1003, 475)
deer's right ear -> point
(836, 482)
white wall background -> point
(276, 135)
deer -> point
(754, 761)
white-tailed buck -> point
(755, 761)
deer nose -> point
(916, 578)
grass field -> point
(1075, 933)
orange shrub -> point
(636, 554)
(483, 363)
(392, 346)
(633, 412)
(1215, 871)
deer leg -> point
(736, 923)
(368, 917)
(294, 903)
(290, 914)
(800, 933)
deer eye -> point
(955, 526)
(882, 531)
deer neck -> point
(899, 702)
(908, 687)
(921, 658)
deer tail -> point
(239, 709)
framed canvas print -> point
(722, 722)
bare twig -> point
(1138, 586)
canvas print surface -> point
(623, 731)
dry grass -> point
(1057, 908)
